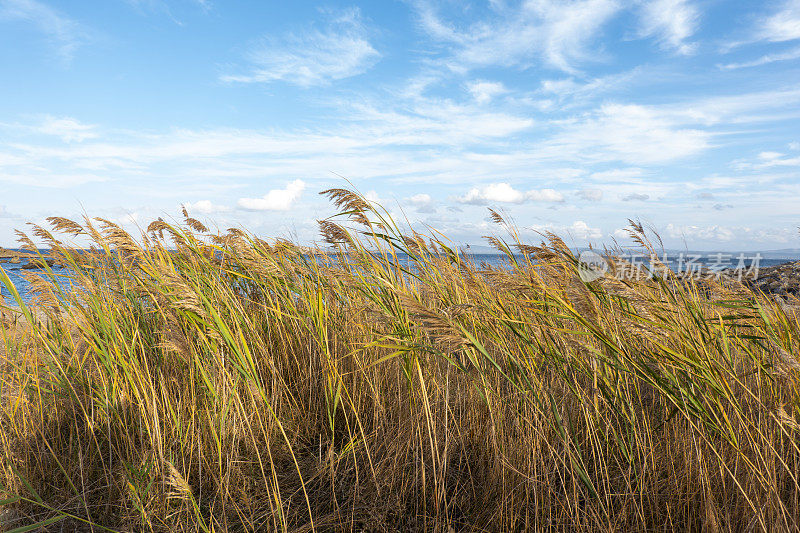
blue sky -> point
(569, 116)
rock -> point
(36, 264)
(779, 279)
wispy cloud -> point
(630, 133)
(782, 25)
(788, 55)
(276, 199)
(163, 7)
(552, 32)
(768, 159)
(672, 22)
(67, 128)
(65, 34)
(484, 91)
(313, 57)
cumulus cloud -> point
(621, 233)
(590, 195)
(579, 230)
(505, 193)
(422, 202)
(315, 57)
(672, 22)
(276, 199)
(420, 199)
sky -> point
(566, 116)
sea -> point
(682, 261)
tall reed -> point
(194, 380)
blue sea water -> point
(677, 262)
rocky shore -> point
(32, 261)
(783, 279)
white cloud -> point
(374, 197)
(496, 192)
(769, 155)
(625, 175)
(578, 230)
(420, 199)
(581, 230)
(705, 233)
(65, 34)
(276, 199)
(590, 195)
(314, 57)
(635, 196)
(621, 233)
(423, 203)
(672, 22)
(716, 233)
(544, 195)
(430, 141)
(783, 25)
(205, 207)
(484, 91)
(551, 31)
(794, 53)
(578, 92)
(505, 193)
(42, 177)
(67, 128)
(631, 133)
(767, 159)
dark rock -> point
(36, 264)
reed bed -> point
(207, 381)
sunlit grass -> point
(215, 382)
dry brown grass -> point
(218, 382)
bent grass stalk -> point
(215, 381)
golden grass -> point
(217, 382)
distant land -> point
(790, 254)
